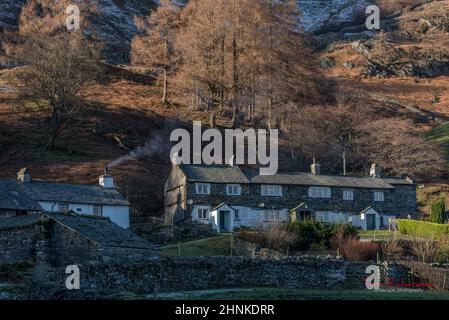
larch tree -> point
(155, 47)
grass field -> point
(301, 294)
(381, 235)
(215, 246)
(220, 245)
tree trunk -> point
(51, 142)
(164, 95)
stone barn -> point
(57, 239)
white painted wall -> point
(195, 214)
(229, 218)
(117, 214)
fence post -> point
(232, 243)
(179, 248)
(444, 282)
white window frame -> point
(321, 216)
(97, 210)
(348, 195)
(273, 215)
(379, 196)
(233, 190)
(202, 188)
(271, 190)
(320, 192)
(202, 210)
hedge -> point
(422, 228)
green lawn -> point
(379, 235)
(301, 294)
(215, 246)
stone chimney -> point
(375, 171)
(315, 168)
(106, 180)
(24, 175)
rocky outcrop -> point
(112, 23)
(321, 15)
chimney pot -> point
(315, 168)
(375, 171)
(24, 175)
(106, 180)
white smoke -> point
(158, 143)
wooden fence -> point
(438, 277)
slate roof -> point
(309, 179)
(30, 193)
(14, 197)
(214, 173)
(63, 192)
(222, 205)
(228, 174)
(19, 221)
(101, 230)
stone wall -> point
(17, 244)
(201, 273)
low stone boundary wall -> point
(201, 273)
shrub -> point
(442, 251)
(316, 234)
(422, 229)
(274, 236)
(437, 210)
(355, 250)
(392, 250)
(424, 250)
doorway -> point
(371, 222)
(224, 221)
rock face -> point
(327, 14)
(112, 23)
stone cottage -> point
(25, 195)
(57, 239)
(226, 197)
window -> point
(319, 192)
(273, 215)
(202, 188)
(348, 195)
(98, 210)
(63, 207)
(273, 191)
(236, 215)
(203, 214)
(321, 216)
(233, 190)
(378, 196)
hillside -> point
(393, 75)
